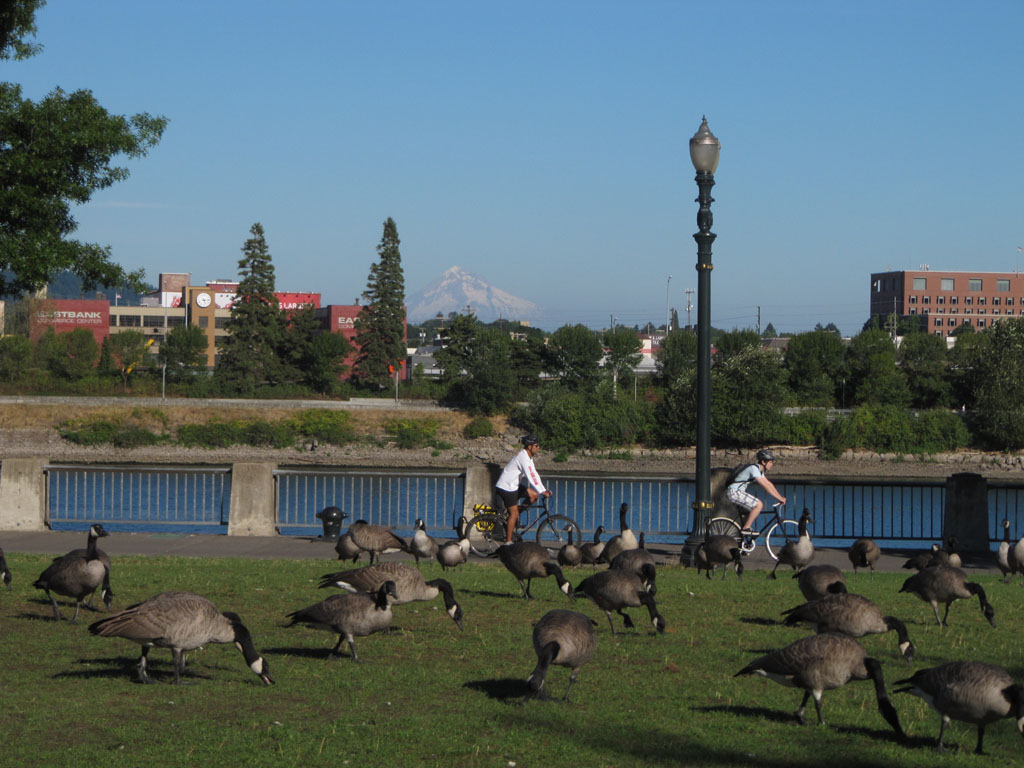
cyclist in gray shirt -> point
(738, 494)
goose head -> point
(243, 641)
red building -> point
(66, 315)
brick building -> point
(946, 300)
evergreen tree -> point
(249, 354)
(458, 342)
(380, 327)
(299, 328)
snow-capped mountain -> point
(456, 289)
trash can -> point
(331, 517)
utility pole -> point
(689, 306)
(667, 284)
(758, 319)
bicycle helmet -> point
(528, 440)
(765, 456)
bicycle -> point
(777, 532)
(486, 529)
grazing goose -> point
(850, 615)
(616, 590)
(422, 544)
(799, 553)
(345, 547)
(409, 583)
(570, 554)
(821, 663)
(5, 572)
(350, 615)
(527, 561)
(819, 580)
(376, 539)
(864, 553)
(77, 574)
(921, 560)
(621, 542)
(634, 561)
(968, 691)
(565, 638)
(180, 621)
(1003, 553)
(944, 584)
(454, 553)
(592, 549)
(719, 550)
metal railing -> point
(138, 498)
(391, 498)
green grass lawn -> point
(433, 695)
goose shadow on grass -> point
(760, 621)
(124, 667)
(505, 689)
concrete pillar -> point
(479, 489)
(966, 513)
(23, 495)
(253, 501)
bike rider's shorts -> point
(741, 498)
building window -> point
(968, 311)
(920, 283)
(981, 311)
(130, 321)
(1003, 285)
(221, 322)
(913, 310)
(938, 321)
(953, 299)
(913, 299)
(981, 323)
(940, 299)
(995, 301)
(968, 301)
(113, 321)
(947, 283)
(204, 321)
(926, 299)
(995, 311)
(952, 322)
(974, 284)
(174, 322)
(1009, 301)
(981, 300)
(153, 321)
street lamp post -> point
(667, 284)
(704, 151)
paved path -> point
(285, 547)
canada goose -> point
(944, 584)
(180, 621)
(570, 554)
(527, 561)
(409, 583)
(350, 615)
(819, 580)
(616, 590)
(946, 555)
(819, 663)
(592, 550)
(106, 593)
(5, 572)
(720, 550)
(850, 615)
(454, 553)
(565, 638)
(75, 575)
(800, 552)
(968, 691)
(376, 539)
(1016, 556)
(345, 547)
(1003, 553)
(634, 560)
(621, 542)
(422, 544)
(864, 553)
(921, 560)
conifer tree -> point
(380, 327)
(249, 354)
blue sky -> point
(543, 145)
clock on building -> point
(203, 300)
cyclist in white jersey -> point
(518, 472)
(738, 494)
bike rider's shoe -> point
(750, 533)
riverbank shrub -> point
(333, 427)
(119, 433)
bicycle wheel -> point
(553, 532)
(723, 526)
(779, 534)
(486, 532)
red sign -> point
(65, 315)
